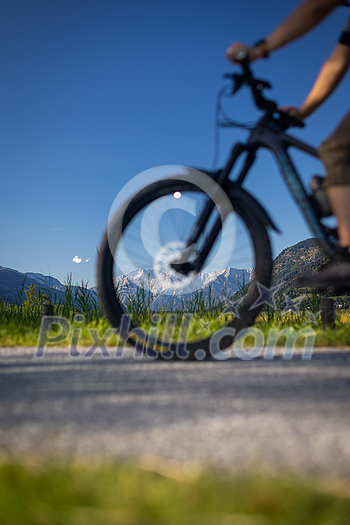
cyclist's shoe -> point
(334, 277)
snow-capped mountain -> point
(163, 293)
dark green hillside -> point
(303, 257)
(12, 282)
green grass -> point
(337, 335)
(20, 323)
(24, 330)
(120, 494)
(21, 334)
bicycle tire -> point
(113, 305)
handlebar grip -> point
(241, 55)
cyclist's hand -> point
(294, 112)
(253, 53)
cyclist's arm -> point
(327, 80)
(306, 16)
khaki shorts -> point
(335, 154)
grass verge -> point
(110, 494)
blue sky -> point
(92, 93)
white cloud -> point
(77, 259)
(87, 260)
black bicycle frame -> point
(267, 135)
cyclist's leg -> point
(339, 199)
(335, 153)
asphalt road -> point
(278, 416)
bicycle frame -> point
(267, 134)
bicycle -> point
(176, 331)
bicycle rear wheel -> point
(162, 312)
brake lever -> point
(296, 123)
(237, 80)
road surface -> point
(276, 416)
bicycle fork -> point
(183, 265)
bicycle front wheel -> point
(166, 313)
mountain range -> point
(303, 257)
(165, 296)
(14, 283)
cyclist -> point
(335, 151)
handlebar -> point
(257, 86)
